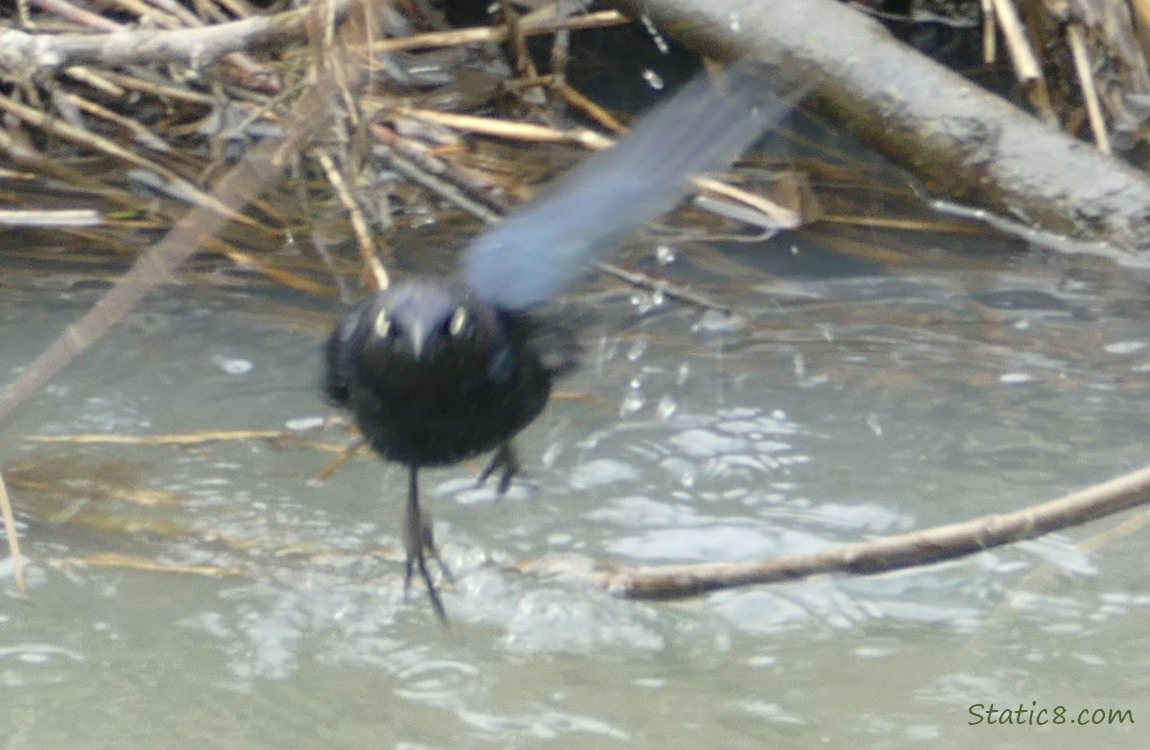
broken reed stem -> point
(182, 439)
(1079, 51)
(889, 553)
(510, 129)
(576, 99)
(1027, 67)
(989, 33)
(12, 535)
(367, 250)
(419, 166)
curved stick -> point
(887, 553)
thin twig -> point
(661, 286)
(522, 131)
(95, 80)
(154, 88)
(416, 166)
(437, 39)
(183, 439)
(576, 99)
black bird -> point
(439, 369)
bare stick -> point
(499, 33)
(886, 553)
(523, 131)
(367, 250)
(30, 53)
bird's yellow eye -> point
(382, 324)
(458, 321)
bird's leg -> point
(416, 539)
(506, 460)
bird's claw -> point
(506, 460)
(418, 558)
(418, 540)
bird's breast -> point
(449, 407)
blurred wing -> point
(536, 252)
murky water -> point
(843, 402)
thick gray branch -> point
(962, 142)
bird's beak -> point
(417, 335)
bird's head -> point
(423, 322)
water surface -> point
(220, 595)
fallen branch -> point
(23, 54)
(885, 553)
(961, 141)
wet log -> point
(962, 142)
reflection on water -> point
(221, 591)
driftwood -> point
(886, 553)
(960, 141)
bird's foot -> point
(506, 461)
(416, 557)
(418, 540)
(429, 546)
